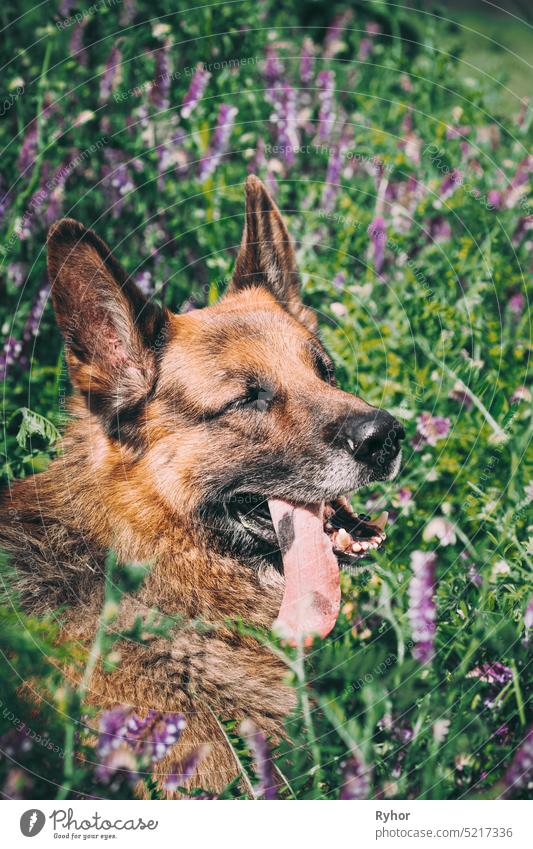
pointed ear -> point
(112, 333)
(266, 256)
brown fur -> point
(153, 437)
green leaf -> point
(33, 424)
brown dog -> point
(216, 445)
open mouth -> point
(315, 540)
(353, 536)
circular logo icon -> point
(32, 822)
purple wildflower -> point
(273, 67)
(143, 280)
(307, 61)
(441, 529)
(257, 743)
(127, 12)
(528, 620)
(366, 46)
(516, 304)
(28, 151)
(520, 773)
(521, 394)
(33, 322)
(9, 355)
(76, 47)
(111, 75)
(185, 770)
(125, 738)
(160, 91)
(404, 496)
(494, 198)
(333, 176)
(284, 116)
(450, 183)
(439, 229)
(429, 429)
(378, 235)
(492, 673)
(339, 280)
(116, 180)
(16, 272)
(195, 91)
(5, 198)
(355, 780)
(332, 40)
(326, 115)
(422, 610)
(373, 28)
(219, 141)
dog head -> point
(220, 411)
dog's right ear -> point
(266, 257)
(111, 331)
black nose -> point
(374, 437)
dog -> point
(216, 445)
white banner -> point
(233, 825)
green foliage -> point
(443, 313)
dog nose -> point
(374, 437)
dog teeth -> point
(356, 547)
(365, 545)
(381, 520)
(343, 539)
(351, 445)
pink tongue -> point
(312, 594)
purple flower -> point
(339, 280)
(422, 610)
(33, 322)
(5, 198)
(160, 91)
(429, 429)
(257, 743)
(116, 180)
(9, 355)
(259, 163)
(273, 67)
(195, 92)
(450, 183)
(76, 47)
(521, 393)
(307, 61)
(219, 141)
(528, 620)
(144, 281)
(378, 235)
(332, 40)
(333, 176)
(520, 773)
(366, 46)
(284, 116)
(492, 673)
(16, 272)
(125, 741)
(494, 198)
(355, 780)
(111, 75)
(184, 771)
(326, 115)
(439, 229)
(516, 304)
(28, 151)
(127, 12)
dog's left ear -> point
(266, 256)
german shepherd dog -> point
(216, 445)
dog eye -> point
(259, 398)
